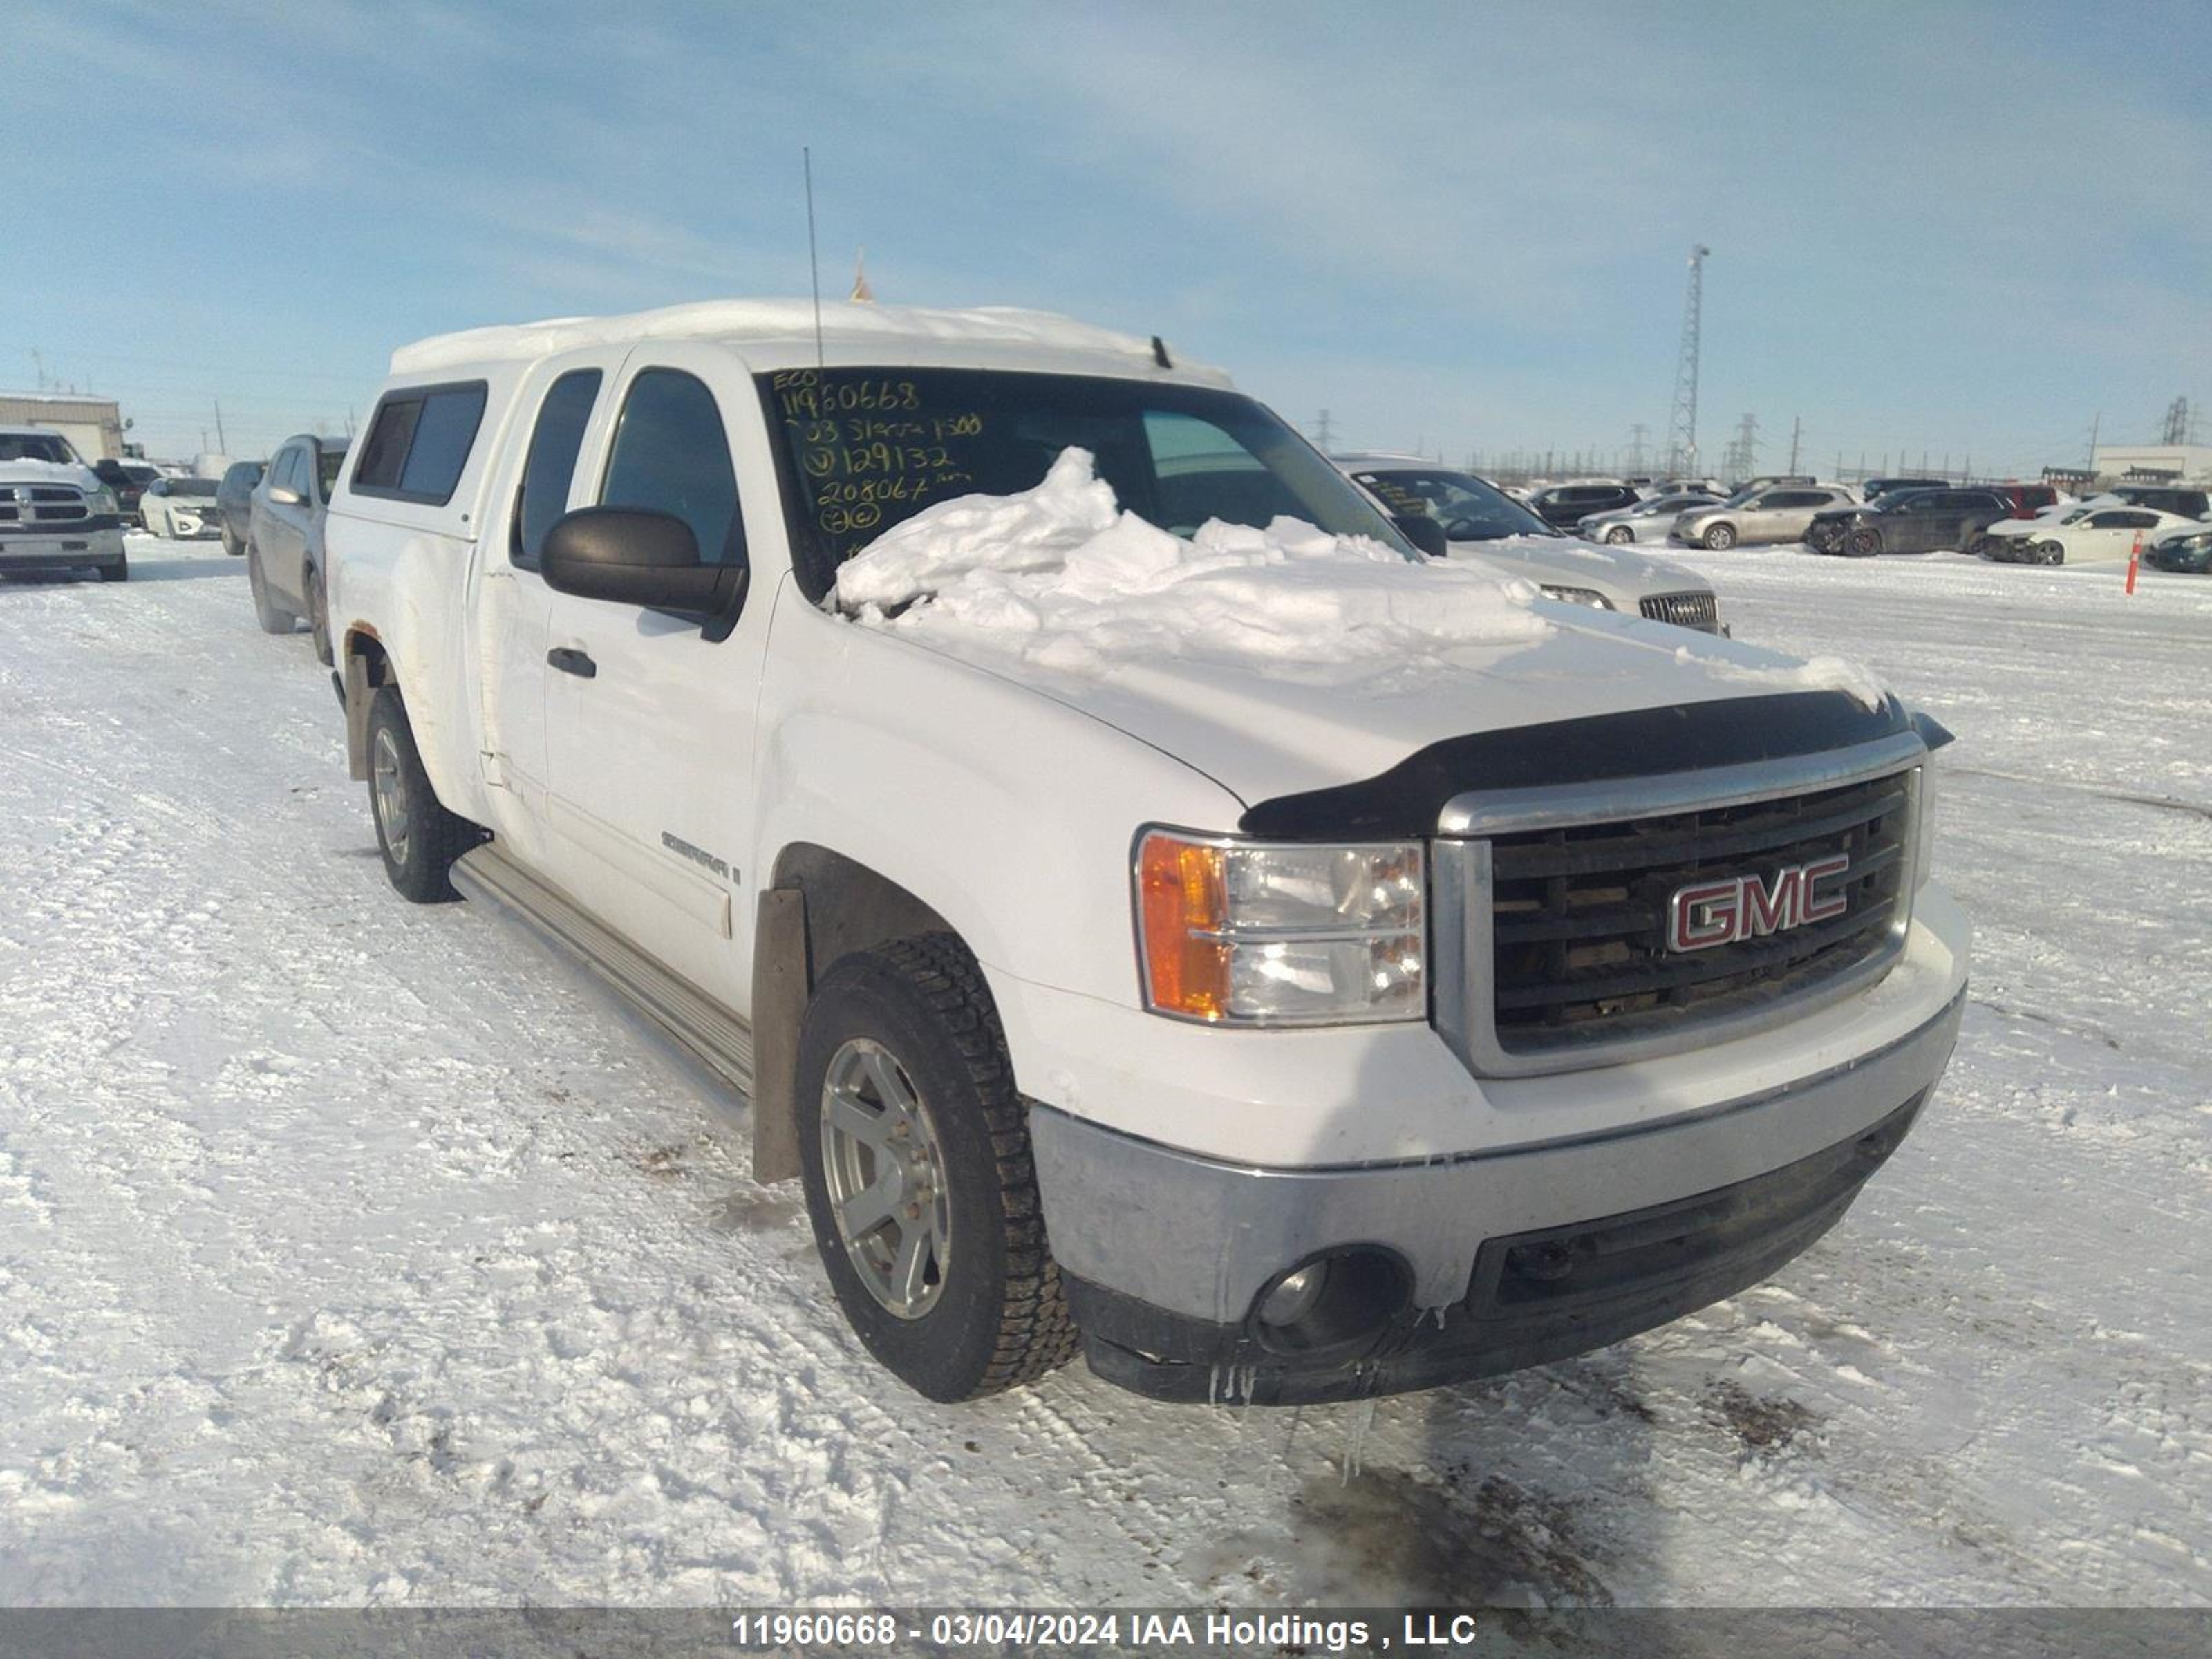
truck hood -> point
(53, 472)
(1264, 735)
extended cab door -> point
(559, 410)
(650, 722)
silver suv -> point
(1752, 517)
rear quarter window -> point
(418, 442)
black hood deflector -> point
(1404, 803)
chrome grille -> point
(42, 504)
(1699, 610)
(1552, 950)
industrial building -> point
(2144, 463)
(94, 425)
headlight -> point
(1588, 596)
(1923, 830)
(103, 500)
(1249, 933)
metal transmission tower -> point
(1682, 424)
(2176, 422)
(1741, 456)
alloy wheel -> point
(884, 1170)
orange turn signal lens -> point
(1181, 893)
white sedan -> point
(2079, 535)
(182, 509)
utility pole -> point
(1323, 432)
(1636, 446)
(1682, 420)
(221, 443)
(1797, 425)
(1741, 457)
(2177, 422)
(38, 366)
(2095, 421)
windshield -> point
(35, 446)
(868, 448)
(330, 461)
(1469, 509)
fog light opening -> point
(1345, 1299)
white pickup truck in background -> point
(1153, 910)
(55, 512)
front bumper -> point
(97, 542)
(1510, 1258)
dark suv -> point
(1566, 506)
(1874, 487)
(1907, 521)
(2165, 498)
(234, 499)
(128, 479)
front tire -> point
(1864, 543)
(273, 617)
(914, 1153)
(1720, 538)
(2053, 553)
(1620, 536)
(118, 572)
(418, 837)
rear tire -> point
(418, 837)
(273, 617)
(914, 1153)
(318, 619)
(1720, 538)
(231, 545)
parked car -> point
(1564, 505)
(1905, 521)
(2188, 549)
(2024, 500)
(234, 501)
(1756, 516)
(1646, 521)
(183, 509)
(2085, 535)
(1769, 480)
(129, 480)
(284, 537)
(1870, 488)
(56, 514)
(2181, 499)
(1089, 993)
(1476, 520)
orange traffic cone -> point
(2135, 555)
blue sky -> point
(1966, 229)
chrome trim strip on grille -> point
(1497, 811)
(1463, 950)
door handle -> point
(569, 660)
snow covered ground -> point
(352, 1252)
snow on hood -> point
(1273, 660)
(1059, 576)
(65, 472)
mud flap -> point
(782, 979)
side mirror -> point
(633, 556)
(284, 495)
(1424, 532)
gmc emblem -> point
(1710, 912)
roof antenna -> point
(814, 263)
(1160, 352)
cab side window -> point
(550, 467)
(670, 455)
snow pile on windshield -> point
(1059, 576)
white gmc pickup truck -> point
(1154, 910)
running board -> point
(715, 1037)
